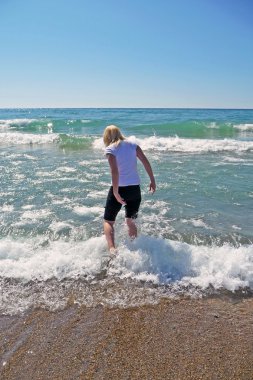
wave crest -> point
(16, 138)
(244, 127)
(176, 144)
(158, 260)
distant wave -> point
(153, 143)
(16, 138)
(213, 125)
(244, 127)
(176, 144)
(17, 122)
(63, 140)
(75, 142)
(10, 124)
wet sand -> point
(176, 339)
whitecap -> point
(19, 122)
(158, 260)
(236, 227)
(212, 125)
(27, 207)
(84, 210)
(59, 226)
(7, 208)
(66, 169)
(176, 144)
(16, 138)
(244, 127)
(36, 214)
(97, 194)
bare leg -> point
(109, 234)
(132, 229)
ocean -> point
(195, 233)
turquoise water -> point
(195, 231)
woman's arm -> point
(147, 166)
(115, 177)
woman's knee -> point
(110, 222)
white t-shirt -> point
(125, 153)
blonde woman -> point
(125, 190)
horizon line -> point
(196, 108)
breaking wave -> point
(16, 138)
(161, 261)
(176, 144)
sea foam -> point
(152, 143)
(16, 138)
(176, 144)
(158, 260)
(244, 127)
(16, 122)
(84, 210)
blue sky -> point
(126, 53)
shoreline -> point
(185, 339)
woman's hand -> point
(119, 199)
(152, 186)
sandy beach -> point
(176, 339)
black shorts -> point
(132, 197)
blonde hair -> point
(112, 135)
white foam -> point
(213, 125)
(66, 169)
(36, 214)
(29, 157)
(147, 259)
(98, 144)
(50, 127)
(59, 226)
(19, 177)
(160, 207)
(16, 138)
(244, 127)
(27, 207)
(45, 174)
(11, 122)
(4, 127)
(234, 159)
(7, 208)
(24, 260)
(199, 223)
(91, 162)
(236, 227)
(97, 194)
(83, 210)
(15, 156)
(176, 144)
(222, 267)
(62, 201)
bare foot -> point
(113, 252)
